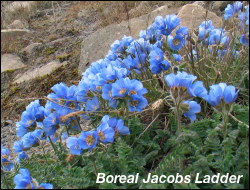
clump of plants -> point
(165, 103)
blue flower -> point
(137, 103)
(105, 133)
(217, 36)
(230, 94)
(193, 108)
(24, 180)
(88, 139)
(5, 153)
(120, 87)
(111, 121)
(120, 46)
(62, 95)
(18, 146)
(74, 146)
(197, 89)
(156, 56)
(159, 23)
(204, 29)
(220, 92)
(171, 21)
(182, 31)
(244, 39)
(107, 92)
(181, 79)
(177, 57)
(21, 156)
(50, 123)
(176, 43)
(120, 128)
(93, 105)
(45, 186)
(157, 64)
(231, 10)
(7, 164)
(215, 94)
(37, 110)
(136, 87)
(30, 139)
(26, 124)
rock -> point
(8, 35)
(192, 16)
(8, 122)
(97, 44)
(24, 6)
(32, 48)
(39, 72)
(218, 6)
(17, 24)
(10, 62)
(142, 7)
(202, 3)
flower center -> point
(101, 135)
(132, 92)
(157, 57)
(134, 103)
(29, 122)
(62, 102)
(72, 105)
(5, 156)
(99, 87)
(90, 140)
(176, 42)
(122, 91)
(5, 163)
(116, 133)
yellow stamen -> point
(176, 42)
(99, 87)
(132, 92)
(101, 135)
(134, 103)
(122, 91)
(90, 140)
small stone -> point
(16, 24)
(32, 48)
(10, 62)
(39, 72)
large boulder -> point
(97, 45)
(192, 15)
(10, 62)
(39, 72)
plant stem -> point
(225, 121)
(5, 181)
(78, 122)
(53, 146)
(96, 171)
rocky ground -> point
(42, 44)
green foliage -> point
(200, 148)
